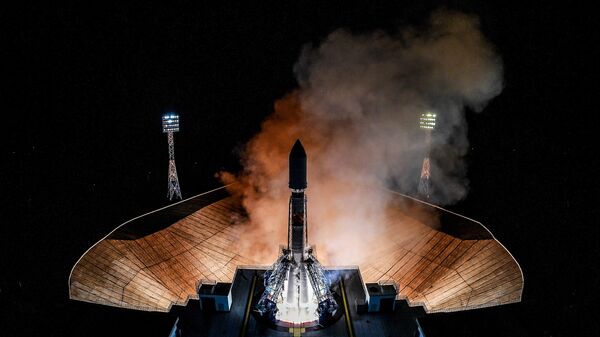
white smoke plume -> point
(356, 111)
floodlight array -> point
(170, 122)
(427, 121)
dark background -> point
(84, 88)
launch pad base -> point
(352, 320)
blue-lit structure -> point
(170, 122)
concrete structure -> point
(349, 321)
(443, 263)
(215, 296)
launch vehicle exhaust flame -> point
(357, 112)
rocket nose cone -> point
(298, 166)
(298, 150)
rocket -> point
(287, 295)
(297, 236)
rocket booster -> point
(297, 236)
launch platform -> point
(200, 320)
(157, 260)
(426, 260)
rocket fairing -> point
(297, 235)
(297, 167)
(286, 283)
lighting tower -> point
(170, 124)
(427, 123)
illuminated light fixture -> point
(427, 120)
(170, 123)
(427, 123)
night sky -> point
(84, 88)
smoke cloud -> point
(356, 111)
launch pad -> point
(296, 295)
(353, 318)
(186, 258)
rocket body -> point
(297, 225)
(297, 236)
